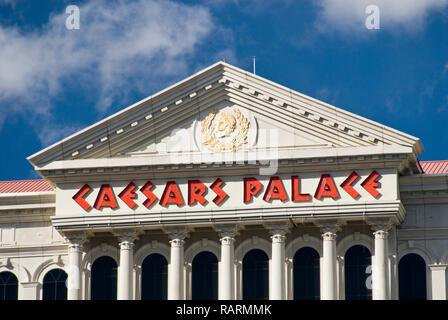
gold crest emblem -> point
(223, 134)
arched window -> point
(412, 277)
(103, 282)
(54, 286)
(256, 275)
(358, 268)
(154, 277)
(9, 286)
(306, 274)
(205, 276)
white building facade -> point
(228, 186)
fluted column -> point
(329, 265)
(380, 261)
(75, 250)
(226, 273)
(277, 280)
(126, 267)
(176, 266)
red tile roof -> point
(432, 167)
(24, 186)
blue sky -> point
(54, 81)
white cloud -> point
(349, 15)
(118, 43)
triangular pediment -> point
(223, 109)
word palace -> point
(252, 187)
(228, 186)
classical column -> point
(329, 265)
(176, 266)
(75, 250)
(125, 269)
(393, 277)
(380, 261)
(226, 273)
(277, 284)
(438, 281)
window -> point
(154, 277)
(54, 286)
(306, 274)
(412, 277)
(357, 265)
(8, 286)
(256, 275)
(205, 276)
(103, 280)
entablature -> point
(393, 210)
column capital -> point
(177, 233)
(227, 233)
(328, 229)
(380, 224)
(75, 239)
(329, 236)
(227, 239)
(177, 236)
(278, 238)
(277, 228)
(381, 234)
(126, 236)
(227, 230)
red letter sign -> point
(171, 194)
(275, 190)
(128, 194)
(296, 195)
(347, 185)
(79, 197)
(326, 188)
(105, 198)
(196, 190)
(370, 184)
(251, 188)
(220, 194)
(150, 197)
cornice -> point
(393, 210)
(147, 167)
